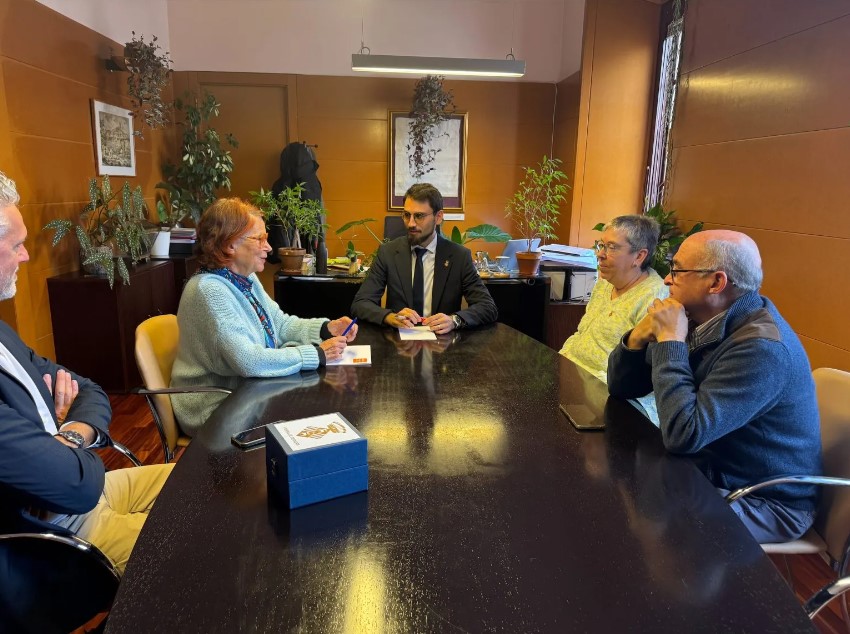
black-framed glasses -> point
(419, 216)
(674, 271)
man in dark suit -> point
(425, 275)
(49, 420)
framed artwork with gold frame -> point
(447, 172)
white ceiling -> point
(318, 36)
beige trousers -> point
(115, 523)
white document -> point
(354, 355)
(316, 431)
(417, 333)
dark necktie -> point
(419, 282)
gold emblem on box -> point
(318, 432)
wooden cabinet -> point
(563, 321)
(94, 327)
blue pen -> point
(345, 332)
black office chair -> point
(394, 227)
(52, 583)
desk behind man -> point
(425, 275)
(733, 387)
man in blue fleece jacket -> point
(731, 379)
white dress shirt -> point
(9, 363)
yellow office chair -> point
(156, 349)
(831, 531)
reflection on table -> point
(486, 511)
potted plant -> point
(205, 165)
(431, 105)
(670, 238)
(112, 226)
(150, 71)
(354, 255)
(534, 208)
(300, 219)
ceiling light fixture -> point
(508, 67)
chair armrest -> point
(71, 541)
(182, 390)
(801, 479)
(825, 595)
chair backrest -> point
(156, 349)
(394, 227)
(52, 583)
(833, 393)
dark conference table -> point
(486, 512)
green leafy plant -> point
(205, 165)
(534, 207)
(150, 72)
(670, 239)
(362, 222)
(300, 217)
(113, 225)
(488, 233)
(431, 105)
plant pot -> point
(291, 259)
(528, 262)
(95, 269)
(161, 244)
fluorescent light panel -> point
(438, 65)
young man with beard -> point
(424, 274)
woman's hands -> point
(334, 347)
(338, 326)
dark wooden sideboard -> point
(94, 327)
(522, 302)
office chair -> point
(831, 531)
(394, 227)
(52, 583)
(156, 349)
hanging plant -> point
(431, 106)
(149, 70)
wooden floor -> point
(132, 425)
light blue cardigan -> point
(221, 341)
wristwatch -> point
(458, 322)
(74, 437)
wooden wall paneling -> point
(42, 38)
(717, 29)
(760, 145)
(796, 84)
(46, 139)
(255, 108)
(568, 99)
(795, 182)
(618, 69)
(352, 97)
(345, 139)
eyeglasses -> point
(674, 271)
(419, 216)
(263, 238)
(610, 247)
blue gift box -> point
(314, 459)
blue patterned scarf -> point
(244, 285)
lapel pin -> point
(446, 264)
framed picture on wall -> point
(113, 140)
(447, 171)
